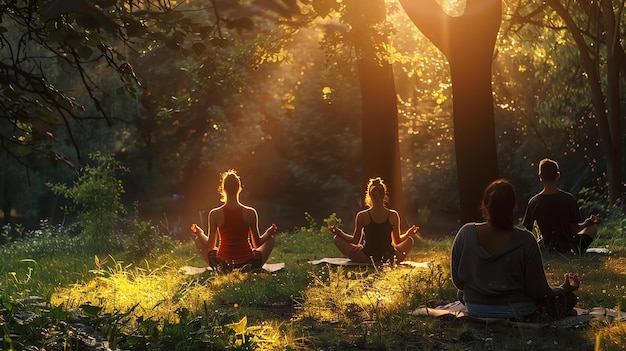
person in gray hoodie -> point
(498, 269)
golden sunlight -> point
(120, 288)
(453, 8)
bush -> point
(145, 238)
(594, 201)
(95, 196)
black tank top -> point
(378, 240)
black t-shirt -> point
(554, 214)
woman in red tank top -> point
(236, 225)
(376, 236)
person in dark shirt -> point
(376, 236)
(557, 215)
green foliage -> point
(142, 238)
(206, 60)
(43, 258)
(95, 196)
(311, 222)
(32, 322)
(612, 226)
(253, 93)
(556, 100)
(8, 230)
(332, 220)
(594, 201)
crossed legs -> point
(355, 252)
(265, 249)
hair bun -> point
(376, 181)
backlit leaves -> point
(324, 7)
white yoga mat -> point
(598, 250)
(457, 310)
(191, 270)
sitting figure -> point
(376, 237)
(498, 269)
(557, 215)
(236, 225)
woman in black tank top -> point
(377, 240)
(376, 237)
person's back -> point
(379, 225)
(498, 268)
(236, 225)
(234, 246)
(554, 213)
(378, 244)
(508, 276)
(557, 214)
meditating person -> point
(376, 238)
(557, 215)
(498, 269)
(240, 244)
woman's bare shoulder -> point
(249, 213)
(362, 213)
(394, 216)
(362, 217)
(247, 208)
(216, 216)
(216, 210)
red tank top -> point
(234, 233)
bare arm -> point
(210, 240)
(396, 237)
(213, 225)
(577, 227)
(356, 237)
(252, 218)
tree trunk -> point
(612, 140)
(615, 139)
(380, 143)
(467, 42)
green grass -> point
(134, 302)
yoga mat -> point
(344, 261)
(457, 310)
(191, 270)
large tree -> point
(379, 130)
(468, 42)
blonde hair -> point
(375, 183)
(230, 185)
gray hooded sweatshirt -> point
(513, 273)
